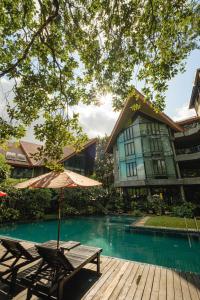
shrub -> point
(185, 210)
(156, 205)
(5, 169)
(137, 213)
(8, 214)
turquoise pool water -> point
(110, 233)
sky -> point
(100, 120)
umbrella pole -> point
(59, 216)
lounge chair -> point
(14, 258)
(17, 256)
(56, 268)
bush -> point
(137, 213)
(8, 214)
(185, 210)
(5, 169)
(156, 205)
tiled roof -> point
(15, 148)
(147, 109)
(69, 151)
(189, 120)
(29, 149)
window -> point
(131, 169)
(129, 149)
(156, 145)
(153, 128)
(21, 157)
(128, 133)
(11, 155)
(159, 167)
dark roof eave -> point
(164, 117)
(193, 96)
(91, 142)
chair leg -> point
(60, 290)
(98, 263)
(29, 294)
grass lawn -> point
(165, 221)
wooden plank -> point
(112, 266)
(135, 283)
(192, 287)
(126, 280)
(105, 289)
(113, 282)
(163, 285)
(177, 286)
(141, 283)
(121, 282)
(184, 286)
(156, 284)
(196, 279)
(149, 284)
(170, 285)
(128, 283)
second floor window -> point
(159, 167)
(131, 169)
(129, 149)
(156, 145)
(153, 128)
(128, 133)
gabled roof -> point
(70, 151)
(195, 89)
(29, 149)
(15, 148)
(147, 109)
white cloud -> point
(183, 112)
(98, 120)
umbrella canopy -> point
(56, 180)
(2, 194)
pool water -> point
(111, 234)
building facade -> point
(155, 155)
(20, 157)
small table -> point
(63, 245)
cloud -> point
(183, 112)
(98, 120)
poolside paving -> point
(123, 280)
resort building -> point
(20, 157)
(154, 154)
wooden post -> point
(59, 216)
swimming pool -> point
(110, 233)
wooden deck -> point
(124, 280)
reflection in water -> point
(110, 233)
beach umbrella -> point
(59, 180)
(2, 194)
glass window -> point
(153, 128)
(131, 169)
(128, 133)
(159, 166)
(129, 149)
(156, 145)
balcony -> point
(193, 129)
(191, 153)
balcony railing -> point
(190, 150)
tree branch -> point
(35, 35)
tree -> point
(104, 163)
(5, 169)
(60, 53)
